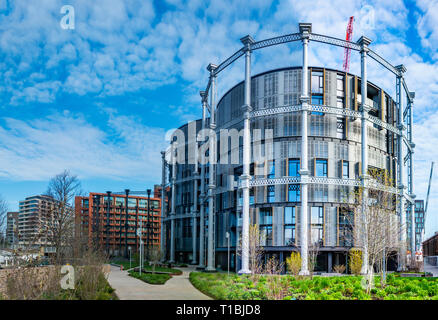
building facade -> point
(315, 134)
(12, 227)
(113, 224)
(419, 224)
(36, 219)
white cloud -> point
(38, 149)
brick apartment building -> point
(113, 225)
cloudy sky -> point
(98, 99)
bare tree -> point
(3, 220)
(60, 224)
(375, 222)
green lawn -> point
(152, 278)
(234, 287)
(147, 267)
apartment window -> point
(293, 193)
(270, 197)
(321, 168)
(265, 223)
(340, 85)
(289, 226)
(317, 220)
(271, 169)
(345, 225)
(317, 82)
(294, 167)
(340, 128)
(345, 169)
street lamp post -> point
(227, 235)
(148, 225)
(130, 264)
(126, 222)
(108, 220)
(120, 231)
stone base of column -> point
(171, 261)
(193, 262)
(244, 271)
(200, 268)
(304, 273)
(210, 269)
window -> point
(340, 85)
(271, 169)
(294, 167)
(317, 81)
(345, 228)
(265, 222)
(270, 194)
(317, 100)
(345, 169)
(320, 168)
(317, 220)
(293, 193)
(340, 128)
(289, 226)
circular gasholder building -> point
(282, 176)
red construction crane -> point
(347, 51)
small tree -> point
(3, 220)
(355, 261)
(154, 256)
(294, 263)
(255, 250)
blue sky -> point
(99, 99)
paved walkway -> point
(176, 288)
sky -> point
(99, 98)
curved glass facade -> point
(334, 155)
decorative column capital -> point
(364, 42)
(305, 29)
(211, 68)
(401, 69)
(247, 42)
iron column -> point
(163, 203)
(401, 188)
(364, 42)
(245, 177)
(305, 30)
(411, 177)
(195, 198)
(172, 213)
(202, 195)
(212, 161)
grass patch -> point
(234, 287)
(151, 278)
(146, 267)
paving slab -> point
(176, 288)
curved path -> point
(176, 288)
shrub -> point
(151, 278)
(294, 263)
(340, 268)
(355, 261)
